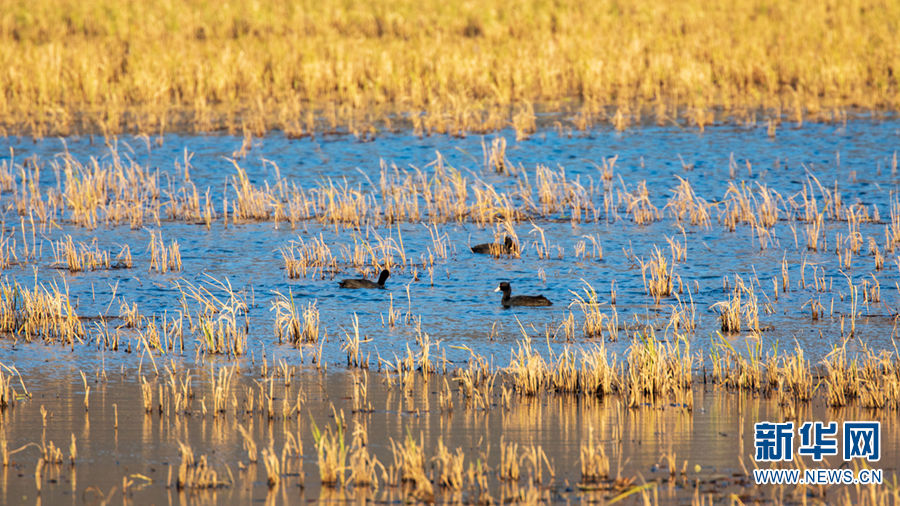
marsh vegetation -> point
(707, 195)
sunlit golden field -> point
(112, 66)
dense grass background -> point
(115, 64)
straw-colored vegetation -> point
(594, 462)
(196, 473)
(108, 66)
(654, 368)
(428, 473)
(44, 312)
(221, 322)
(164, 258)
(331, 452)
(291, 325)
(452, 69)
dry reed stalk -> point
(306, 258)
(409, 463)
(84, 257)
(686, 204)
(146, 395)
(7, 393)
(738, 207)
(599, 372)
(221, 388)
(273, 467)
(638, 204)
(495, 156)
(287, 320)
(785, 280)
(594, 462)
(816, 308)
(250, 203)
(582, 252)
(451, 467)
(163, 258)
(186, 204)
(196, 473)
(795, 376)
(73, 451)
(50, 453)
(509, 461)
(41, 313)
(842, 378)
(310, 333)
(524, 122)
(733, 312)
(528, 369)
(535, 459)
(290, 325)
(352, 344)
(679, 249)
(87, 391)
(656, 370)
(331, 455)
(8, 255)
(477, 383)
(363, 465)
(130, 314)
(445, 398)
(594, 319)
(661, 275)
(217, 320)
(360, 394)
(180, 391)
(669, 458)
(393, 314)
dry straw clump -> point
(408, 467)
(331, 452)
(594, 462)
(589, 371)
(742, 308)
(661, 275)
(196, 473)
(43, 312)
(290, 325)
(221, 320)
(163, 258)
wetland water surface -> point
(793, 235)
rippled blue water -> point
(459, 309)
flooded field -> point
(524, 448)
(700, 282)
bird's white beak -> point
(497, 289)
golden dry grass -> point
(110, 66)
(44, 312)
(196, 473)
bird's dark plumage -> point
(365, 283)
(520, 300)
(490, 248)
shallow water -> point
(713, 444)
(456, 305)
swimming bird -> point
(520, 300)
(490, 248)
(365, 283)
